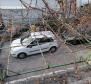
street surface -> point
(62, 56)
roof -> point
(42, 34)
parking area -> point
(35, 62)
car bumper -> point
(13, 55)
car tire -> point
(53, 49)
(22, 55)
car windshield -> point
(26, 40)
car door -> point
(33, 48)
(44, 44)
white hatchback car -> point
(36, 42)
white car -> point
(36, 42)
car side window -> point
(45, 40)
(34, 43)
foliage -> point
(85, 9)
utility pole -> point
(88, 1)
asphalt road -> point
(62, 56)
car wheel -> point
(53, 49)
(22, 55)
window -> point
(34, 43)
(26, 40)
(44, 40)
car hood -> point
(16, 43)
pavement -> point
(35, 62)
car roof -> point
(42, 34)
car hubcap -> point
(21, 55)
(52, 49)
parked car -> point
(77, 41)
(34, 43)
